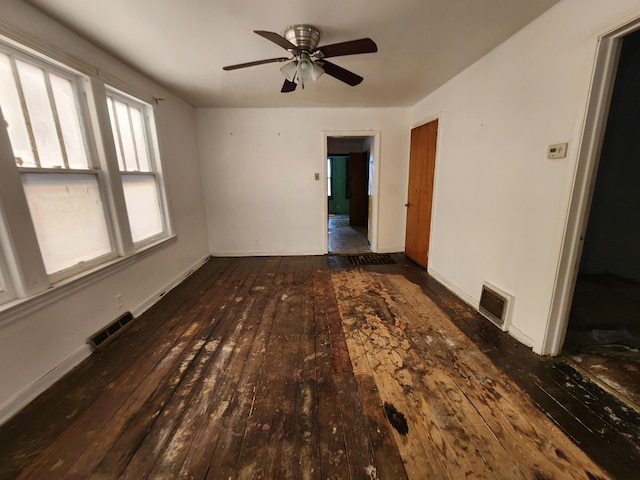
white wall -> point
(42, 339)
(500, 205)
(258, 169)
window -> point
(70, 199)
(62, 186)
(136, 164)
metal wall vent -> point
(496, 306)
(371, 259)
(110, 332)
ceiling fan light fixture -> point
(316, 71)
(308, 70)
(290, 71)
(308, 60)
(302, 71)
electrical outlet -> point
(317, 175)
(119, 300)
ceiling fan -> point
(308, 61)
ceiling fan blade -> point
(278, 39)
(353, 47)
(341, 74)
(288, 86)
(257, 62)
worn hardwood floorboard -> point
(454, 400)
(300, 368)
(603, 426)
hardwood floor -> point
(304, 367)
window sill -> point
(18, 308)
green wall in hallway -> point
(339, 203)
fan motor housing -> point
(305, 37)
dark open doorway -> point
(603, 334)
(349, 178)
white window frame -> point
(92, 169)
(155, 166)
(6, 287)
(22, 270)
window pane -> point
(13, 116)
(69, 118)
(141, 142)
(116, 133)
(2, 287)
(143, 207)
(40, 115)
(68, 217)
(126, 137)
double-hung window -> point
(130, 124)
(70, 198)
(63, 188)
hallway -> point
(343, 238)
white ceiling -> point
(183, 44)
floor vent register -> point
(371, 259)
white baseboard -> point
(390, 250)
(262, 253)
(22, 399)
(473, 302)
(152, 299)
(521, 337)
(468, 299)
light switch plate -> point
(557, 150)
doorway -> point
(349, 194)
(603, 332)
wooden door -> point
(422, 162)
(358, 183)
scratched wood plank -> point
(604, 427)
(163, 406)
(133, 388)
(333, 462)
(388, 462)
(419, 451)
(245, 379)
(166, 443)
(346, 435)
(472, 379)
(290, 433)
(198, 430)
(194, 452)
(303, 424)
(506, 410)
(72, 394)
(141, 417)
(274, 397)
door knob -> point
(407, 204)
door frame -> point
(375, 151)
(588, 158)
